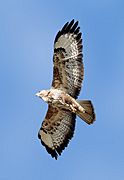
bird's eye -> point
(48, 93)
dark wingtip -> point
(69, 27)
(52, 152)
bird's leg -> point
(76, 107)
(63, 101)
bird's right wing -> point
(56, 130)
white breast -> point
(55, 93)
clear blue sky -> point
(27, 32)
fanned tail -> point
(88, 115)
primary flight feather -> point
(68, 71)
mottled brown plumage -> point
(68, 71)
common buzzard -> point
(58, 126)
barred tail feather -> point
(89, 115)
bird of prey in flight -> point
(68, 71)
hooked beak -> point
(37, 94)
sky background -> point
(27, 32)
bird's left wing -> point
(68, 68)
(56, 130)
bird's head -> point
(43, 95)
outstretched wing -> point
(56, 130)
(68, 68)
